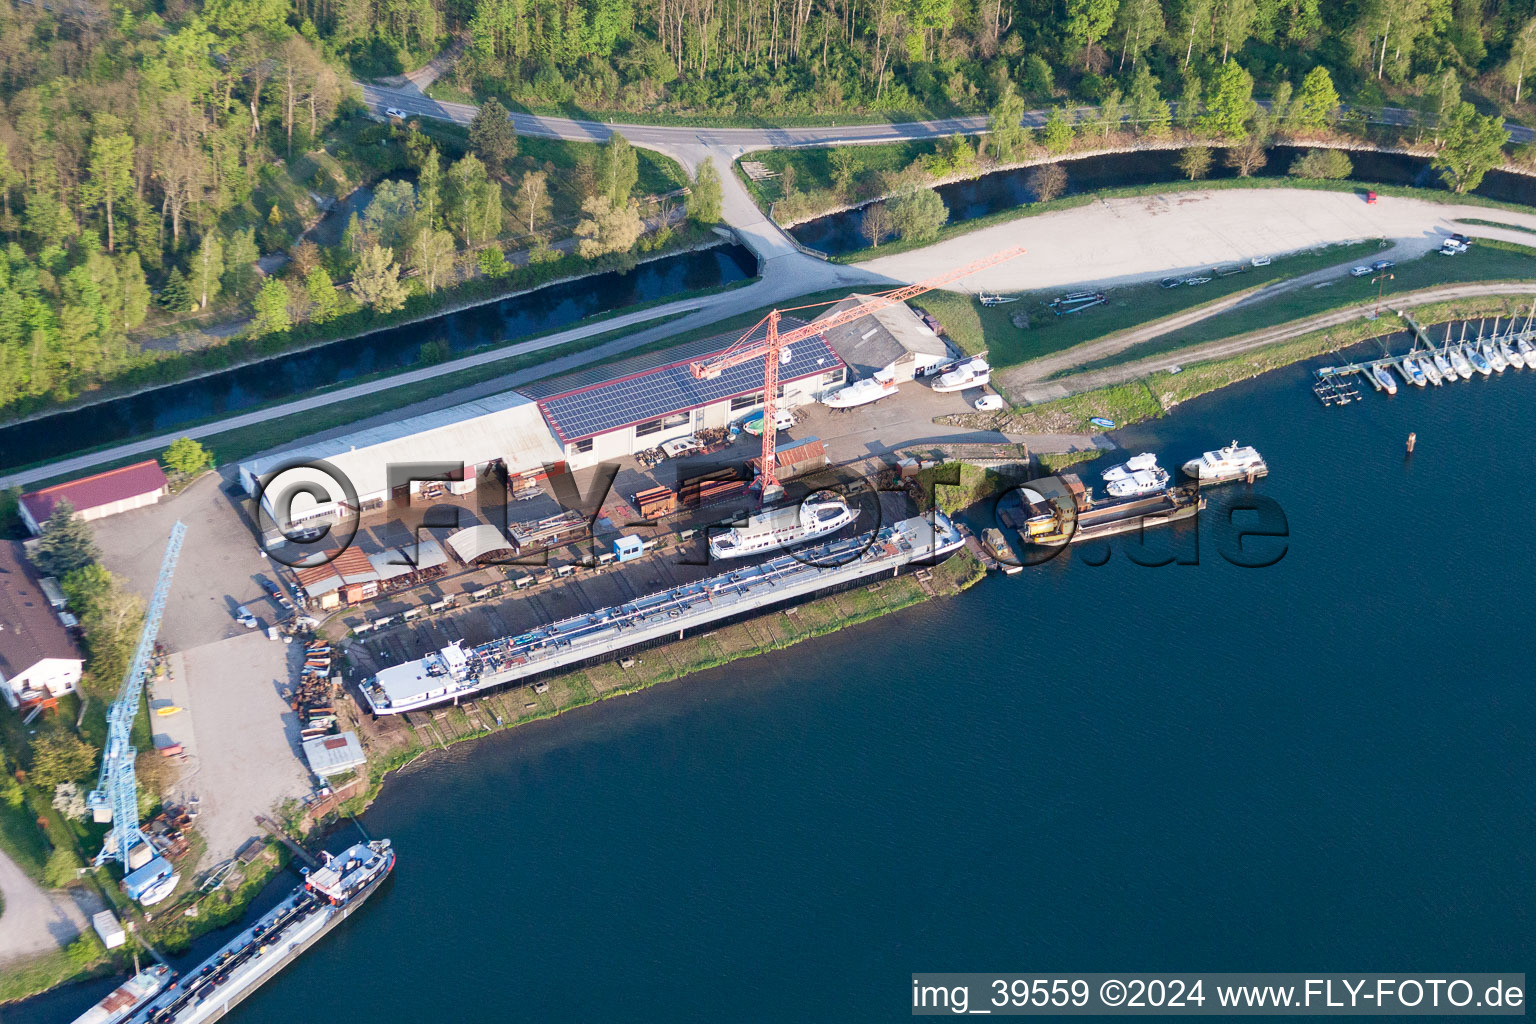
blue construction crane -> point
(116, 796)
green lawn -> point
(1491, 261)
(975, 327)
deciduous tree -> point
(376, 282)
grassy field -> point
(1492, 261)
(1479, 221)
(975, 327)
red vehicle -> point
(1370, 198)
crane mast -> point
(116, 796)
(773, 347)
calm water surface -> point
(1322, 765)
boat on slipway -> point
(328, 895)
(784, 527)
(861, 392)
(973, 373)
(1234, 462)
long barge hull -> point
(1135, 515)
(440, 679)
(224, 998)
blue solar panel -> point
(625, 400)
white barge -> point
(456, 673)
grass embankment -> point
(1480, 222)
(975, 327)
(1492, 262)
(578, 688)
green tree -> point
(607, 229)
(492, 136)
(1149, 110)
(111, 174)
(432, 256)
(474, 200)
(186, 457)
(208, 268)
(1190, 102)
(1112, 110)
(1522, 50)
(1057, 133)
(1005, 125)
(493, 262)
(58, 755)
(429, 187)
(917, 215)
(241, 275)
(376, 282)
(1087, 23)
(136, 295)
(176, 296)
(705, 196)
(1472, 145)
(531, 205)
(617, 170)
(1140, 24)
(1230, 104)
(845, 162)
(391, 214)
(1195, 162)
(1233, 23)
(1321, 164)
(1315, 103)
(271, 305)
(324, 301)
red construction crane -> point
(771, 348)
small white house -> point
(38, 658)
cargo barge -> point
(456, 673)
(1064, 511)
(329, 894)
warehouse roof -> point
(600, 399)
(90, 492)
(505, 426)
(475, 541)
(426, 553)
(333, 755)
(873, 342)
(29, 630)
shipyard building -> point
(617, 409)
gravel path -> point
(34, 921)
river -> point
(394, 348)
(842, 232)
(1319, 765)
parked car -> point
(1360, 272)
(245, 618)
(1370, 198)
(395, 112)
(1262, 261)
(1450, 248)
(1383, 265)
(274, 591)
(1462, 239)
(990, 403)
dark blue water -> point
(227, 391)
(1321, 765)
(1006, 190)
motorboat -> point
(861, 392)
(1458, 359)
(1490, 350)
(1411, 372)
(1234, 462)
(972, 373)
(818, 515)
(1511, 355)
(1141, 482)
(1479, 363)
(1384, 378)
(1136, 464)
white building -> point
(38, 660)
(505, 429)
(892, 342)
(617, 409)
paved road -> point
(34, 921)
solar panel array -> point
(622, 401)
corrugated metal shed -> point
(333, 755)
(427, 554)
(478, 541)
(122, 484)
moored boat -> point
(783, 527)
(1234, 462)
(1135, 464)
(1411, 372)
(1384, 378)
(122, 1001)
(1495, 358)
(1459, 360)
(1430, 370)
(972, 373)
(1511, 354)
(1444, 366)
(1528, 351)
(1479, 363)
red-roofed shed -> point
(94, 497)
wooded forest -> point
(160, 161)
